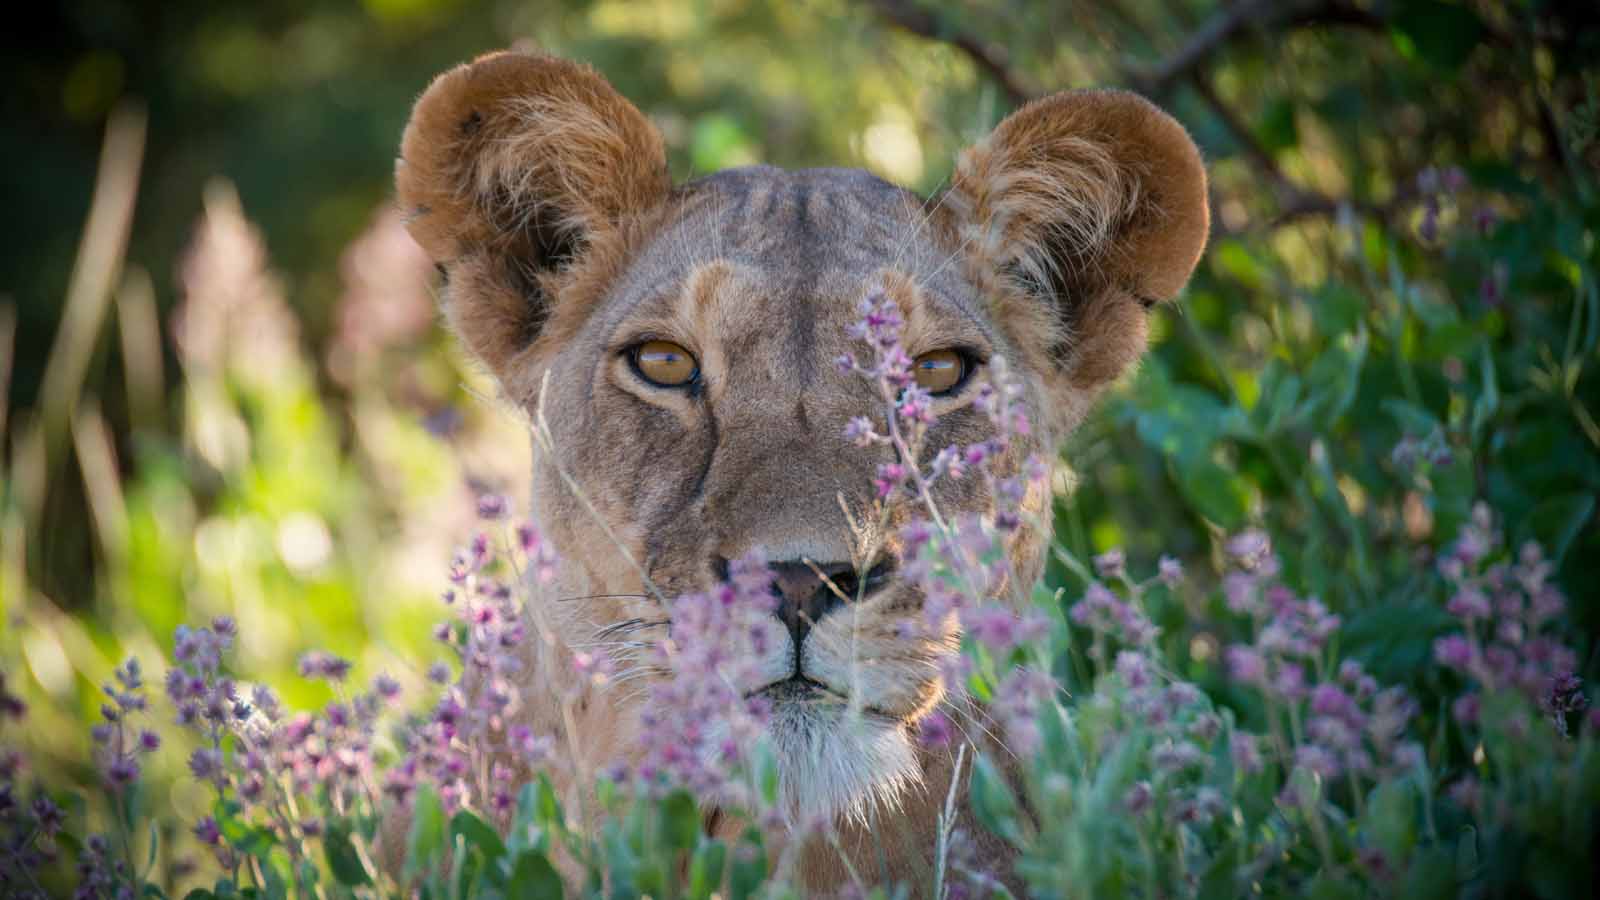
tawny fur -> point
(544, 197)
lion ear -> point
(510, 168)
(1091, 205)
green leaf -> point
(1338, 308)
(477, 833)
(549, 808)
(343, 860)
(680, 821)
(1413, 419)
(1220, 880)
(1391, 818)
(992, 801)
(466, 863)
(1214, 493)
(1557, 521)
(276, 872)
(1440, 34)
(1394, 640)
(533, 878)
(1328, 886)
(1277, 127)
(749, 867)
(705, 869)
(525, 832)
(153, 851)
(766, 767)
(426, 838)
(1432, 876)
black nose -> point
(807, 591)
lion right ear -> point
(1089, 206)
(511, 168)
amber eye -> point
(939, 372)
(664, 364)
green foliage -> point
(1398, 318)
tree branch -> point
(1188, 64)
(909, 16)
(1249, 15)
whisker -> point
(628, 625)
(603, 597)
(924, 216)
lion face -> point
(680, 343)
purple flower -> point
(1317, 759)
(122, 771)
(1328, 700)
(492, 507)
(859, 431)
(205, 763)
(1465, 793)
(1469, 604)
(1290, 682)
(1134, 669)
(386, 687)
(207, 832)
(992, 626)
(1563, 695)
(46, 815)
(890, 475)
(1205, 805)
(1176, 756)
(1206, 727)
(1245, 664)
(1249, 548)
(1170, 571)
(326, 666)
(1138, 798)
(1453, 651)
(1242, 592)
(936, 730)
(1111, 564)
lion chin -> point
(836, 762)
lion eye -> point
(939, 372)
(664, 364)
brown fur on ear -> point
(1096, 199)
(512, 169)
(506, 142)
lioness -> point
(684, 338)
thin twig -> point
(1239, 19)
(909, 16)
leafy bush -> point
(1317, 622)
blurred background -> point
(226, 389)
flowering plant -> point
(1112, 774)
(1317, 619)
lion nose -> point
(807, 591)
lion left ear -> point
(512, 170)
(1092, 206)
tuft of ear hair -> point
(1093, 202)
(516, 172)
(514, 147)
